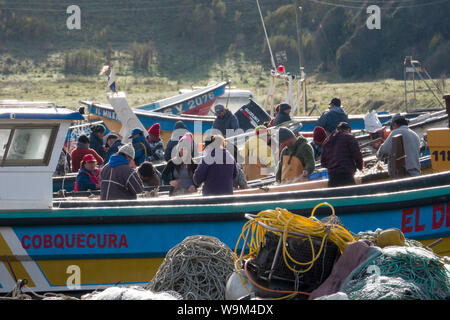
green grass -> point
(44, 79)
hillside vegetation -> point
(160, 46)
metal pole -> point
(404, 77)
(267, 37)
(299, 39)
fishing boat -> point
(74, 243)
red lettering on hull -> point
(60, 241)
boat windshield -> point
(26, 145)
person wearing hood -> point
(178, 132)
(225, 121)
(217, 170)
(140, 145)
(319, 137)
(411, 145)
(113, 143)
(179, 170)
(283, 114)
(257, 154)
(330, 119)
(80, 151)
(296, 159)
(341, 156)
(88, 175)
(96, 140)
(118, 180)
(156, 151)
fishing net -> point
(197, 268)
(400, 273)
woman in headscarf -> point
(179, 170)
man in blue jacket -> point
(141, 146)
(330, 119)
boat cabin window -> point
(26, 145)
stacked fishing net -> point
(400, 273)
(197, 269)
(130, 293)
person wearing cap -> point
(257, 154)
(331, 118)
(319, 136)
(179, 171)
(225, 121)
(156, 150)
(341, 156)
(283, 114)
(118, 180)
(141, 146)
(113, 143)
(80, 151)
(217, 169)
(96, 140)
(88, 175)
(296, 159)
(411, 145)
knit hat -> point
(343, 126)
(336, 102)
(284, 134)
(155, 130)
(319, 135)
(284, 106)
(134, 132)
(219, 108)
(98, 128)
(83, 139)
(127, 149)
(89, 158)
(179, 125)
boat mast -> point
(267, 37)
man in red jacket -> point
(341, 156)
(80, 151)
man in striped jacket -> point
(118, 180)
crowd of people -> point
(122, 171)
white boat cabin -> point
(32, 136)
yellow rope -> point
(283, 220)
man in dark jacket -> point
(330, 119)
(118, 180)
(283, 114)
(217, 170)
(96, 140)
(80, 151)
(341, 156)
(225, 121)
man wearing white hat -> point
(118, 180)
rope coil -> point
(284, 223)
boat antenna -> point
(267, 37)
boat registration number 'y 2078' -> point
(411, 221)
